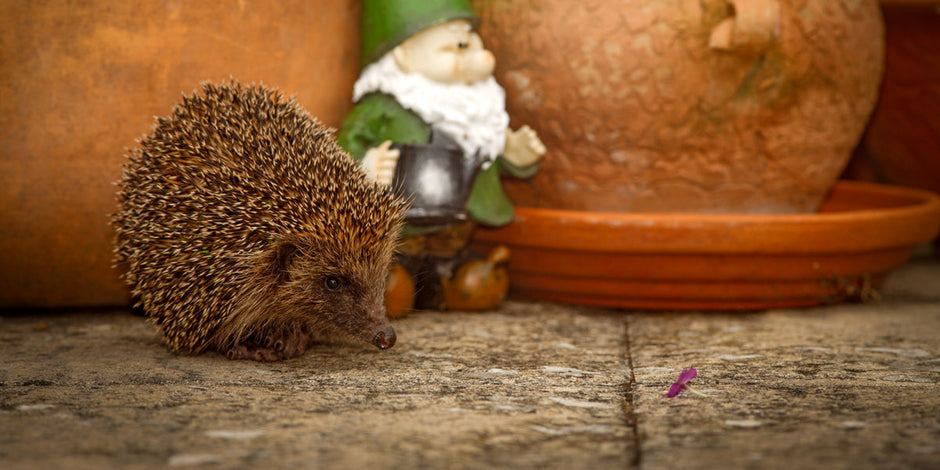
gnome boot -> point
(399, 292)
(479, 284)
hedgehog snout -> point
(385, 338)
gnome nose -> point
(385, 338)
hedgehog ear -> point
(280, 258)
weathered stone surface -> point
(852, 386)
(530, 387)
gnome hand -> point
(523, 147)
(379, 163)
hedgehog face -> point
(319, 285)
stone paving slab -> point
(531, 386)
(842, 387)
(534, 386)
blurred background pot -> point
(902, 144)
(730, 106)
(82, 80)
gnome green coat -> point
(379, 117)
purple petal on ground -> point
(674, 390)
(687, 374)
(684, 377)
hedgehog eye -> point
(332, 283)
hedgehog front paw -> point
(275, 348)
(290, 344)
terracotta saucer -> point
(718, 262)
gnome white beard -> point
(473, 115)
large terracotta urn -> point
(709, 106)
(80, 81)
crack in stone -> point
(629, 402)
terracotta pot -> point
(715, 261)
(903, 139)
(82, 80)
(748, 106)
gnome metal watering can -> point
(437, 179)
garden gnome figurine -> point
(430, 121)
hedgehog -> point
(243, 228)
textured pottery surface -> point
(718, 261)
(82, 80)
(748, 106)
(903, 139)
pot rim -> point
(856, 216)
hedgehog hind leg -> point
(285, 344)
